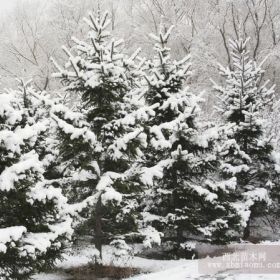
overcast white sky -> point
(6, 5)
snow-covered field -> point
(152, 269)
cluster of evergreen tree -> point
(36, 219)
(247, 153)
(133, 159)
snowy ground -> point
(152, 269)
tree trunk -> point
(246, 232)
(98, 227)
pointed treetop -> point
(239, 51)
(244, 95)
(239, 45)
(161, 40)
(163, 36)
(24, 83)
(98, 25)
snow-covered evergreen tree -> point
(184, 199)
(246, 153)
(101, 141)
(34, 220)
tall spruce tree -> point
(101, 141)
(246, 153)
(185, 200)
(35, 224)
